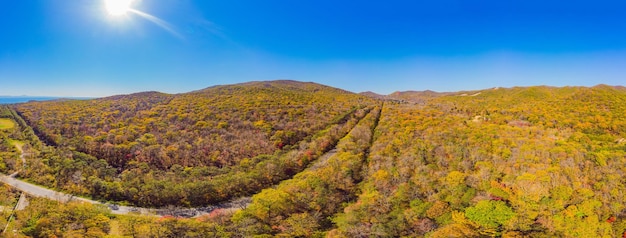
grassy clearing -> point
(6, 124)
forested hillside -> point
(217, 126)
(205, 146)
(515, 162)
(504, 162)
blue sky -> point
(75, 48)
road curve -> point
(38, 191)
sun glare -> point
(117, 7)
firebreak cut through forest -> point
(319, 161)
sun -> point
(117, 7)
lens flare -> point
(117, 7)
(161, 23)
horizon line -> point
(366, 91)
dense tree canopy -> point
(516, 162)
(533, 161)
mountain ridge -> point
(296, 83)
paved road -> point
(38, 191)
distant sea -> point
(22, 99)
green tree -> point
(490, 214)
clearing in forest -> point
(6, 123)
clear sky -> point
(78, 48)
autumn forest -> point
(315, 161)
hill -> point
(206, 133)
(506, 162)
(373, 95)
